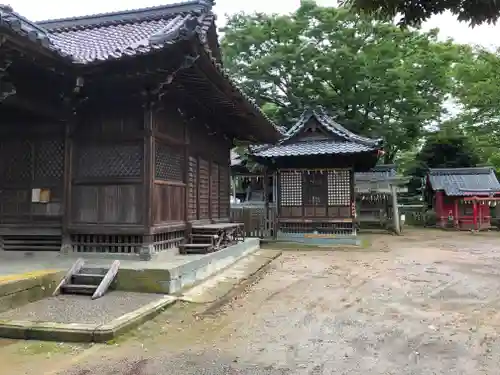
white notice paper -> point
(35, 195)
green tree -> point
(378, 79)
(447, 148)
(477, 89)
(414, 12)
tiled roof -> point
(349, 142)
(114, 35)
(235, 159)
(379, 172)
(15, 23)
(464, 181)
(323, 147)
(108, 36)
(322, 116)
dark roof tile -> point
(114, 35)
(20, 25)
(464, 181)
(322, 116)
(379, 172)
(349, 143)
(323, 147)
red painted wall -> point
(444, 204)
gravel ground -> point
(426, 303)
(80, 309)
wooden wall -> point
(113, 170)
(31, 157)
(191, 169)
(169, 187)
(107, 167)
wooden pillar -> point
(266, 202)
(395, 209)
(353, 201)
(147, 249)
(66, 246)
(198, 188)
(474, 213)
(187, 232)
(455, 213)
(439, 209)
(210, 189)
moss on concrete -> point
(143, 281)
(21, 292)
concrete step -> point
(79, 289)
(87, 279)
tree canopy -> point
(378, 79)
(448, 147)
(414, 12)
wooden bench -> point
(205, 238)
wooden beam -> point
(39, 108)
(67, 183)
(107, 280)
(148, 165)
(75, 268)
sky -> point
(485, 35)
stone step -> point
(87, 279)
(79, 289)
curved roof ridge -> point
(461, 170)
(124, 16)
(329, 122)
(324, 118)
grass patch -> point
(50, 348)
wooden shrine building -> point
(461, 197)
(377, 197)
(116, 129)
(315, 164)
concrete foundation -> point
(166, 274)
(26, 288)
(318, 240)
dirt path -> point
(423, 304)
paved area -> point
(81, 309)
(426, 303)
(17, 265)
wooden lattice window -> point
(169, 162)
(339, 187)
(49, 159)
(108, 160)
(315, 188)
(204, 189)
(291, 188)
(214, 186)
(192, 187)
(16, 161)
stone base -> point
(318, 240)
